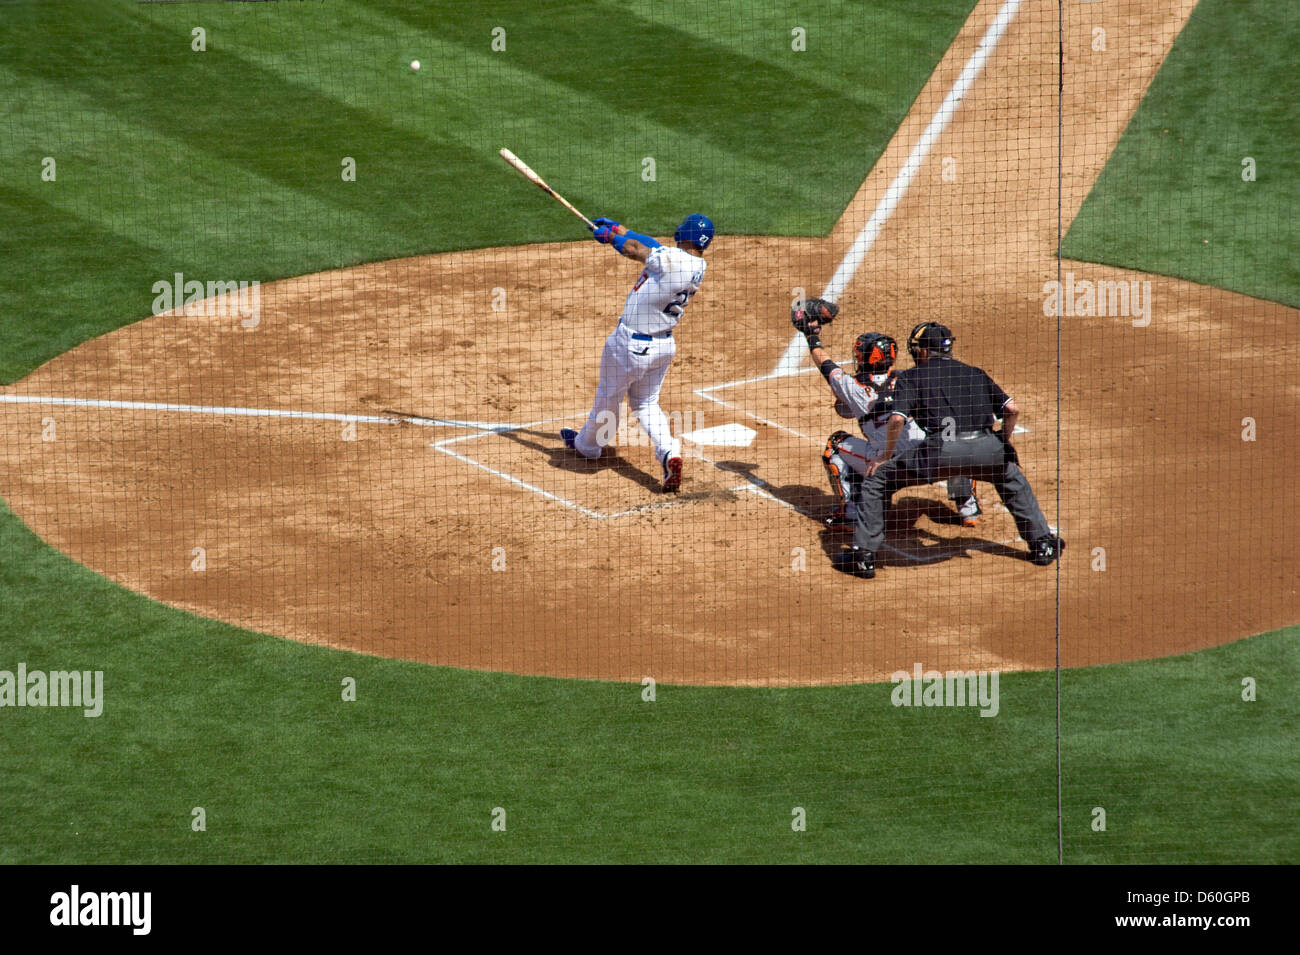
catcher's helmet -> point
(875, 354)
(932, 336)
(695, 228)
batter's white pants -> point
(635, 369)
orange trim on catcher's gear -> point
(878, 356)
(833, 448)
(833, 473)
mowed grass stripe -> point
(62, 296)
(851, 50)
(876, 56)
(198, 713)
(784, 117)
(240, 158)
(702, 774)
(252, 728)
(282, 132)
(598, 173)
(1186, 769)
(588, 146)
(207, 225)
(1171, 199)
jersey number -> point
(679, 303)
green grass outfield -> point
(226, 163)
(1171, 199)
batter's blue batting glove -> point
(604, 235)
(606, 222)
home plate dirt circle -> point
(386, 544)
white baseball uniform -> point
(640, 349)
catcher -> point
(867, 395)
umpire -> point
(955, 404)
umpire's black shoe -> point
(1045, 550)
(859, 563)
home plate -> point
(723, 435)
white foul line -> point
(479, 429)
(794, 352)
(252, 412)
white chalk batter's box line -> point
(790, 361)
(704, 393)
(755, 485)
(480, 429)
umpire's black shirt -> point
(944, 388)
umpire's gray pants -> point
(982, 457)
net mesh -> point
(289, 348)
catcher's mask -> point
(936, 338)
(875, 354)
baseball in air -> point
(415, 64)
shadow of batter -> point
(562, 459)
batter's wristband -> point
(813, 340)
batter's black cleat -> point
(568, 436)
(1045, 550)
(855, 561)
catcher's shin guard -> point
(835, 475)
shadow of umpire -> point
(908, 544)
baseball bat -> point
(524, 170)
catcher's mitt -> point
(811, 314)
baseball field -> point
(285, 349)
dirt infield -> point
(495, 548)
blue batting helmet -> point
(695, 228)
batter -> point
(640, 349)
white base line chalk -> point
(252, 412)
(795, 351)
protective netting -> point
(287, 345)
